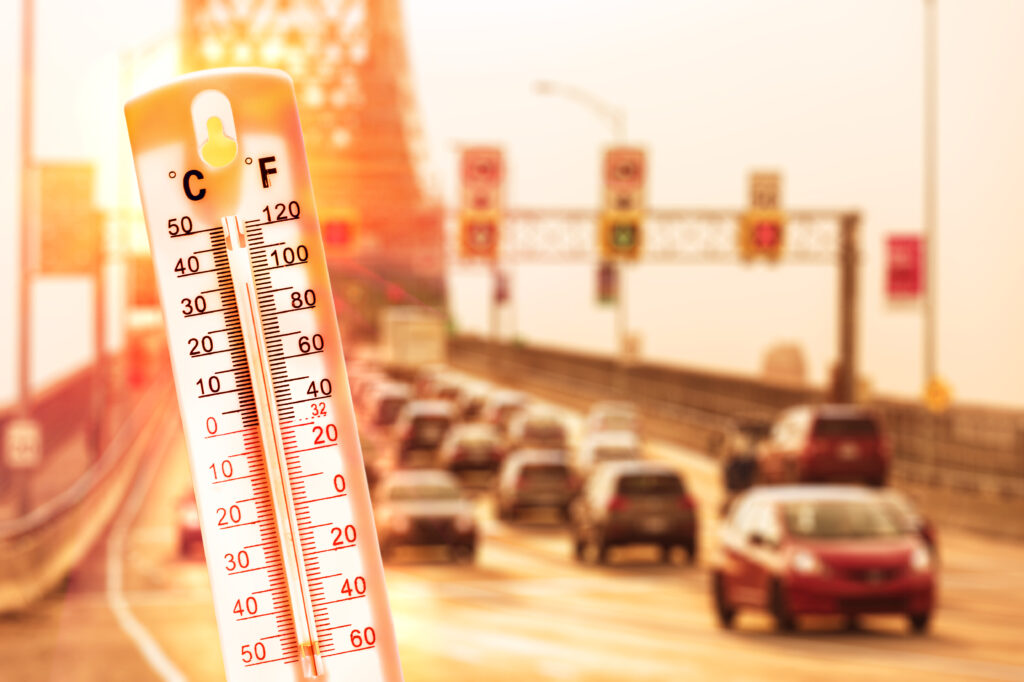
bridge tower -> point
(382, 228)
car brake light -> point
(686, 502)
(618, 504)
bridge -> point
(94, 583)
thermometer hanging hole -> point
(214, 127)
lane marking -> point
(116, 550)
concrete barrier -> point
(967, 465)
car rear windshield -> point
(429, 430)
(611, 454)
(546, 431)
(650, 484)
(832, 427)
(618, 422)
(389, 409)
(834, 519)
(544, 473)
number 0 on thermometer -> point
(284, 507)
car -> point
(384, 402)
(472, 447)
(472, 400)
(190, 537)
(634, 502)
(535, 479)
(420, 429)
(825, 443)
(737, 452)
(607, 446)
(613, 415)
(537, 427)
(501, 406)
(424, 507)
(821, 549)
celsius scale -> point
(284, 506)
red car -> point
(822, 549)
(825, 443)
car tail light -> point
(618, 504)
(686, 502)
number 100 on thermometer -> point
(284, 508)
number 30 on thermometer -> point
(284, 507)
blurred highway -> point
(525, 608)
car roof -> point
(434, 408)
(839, 410)
(616, 407)
(613, 439)
(392, 389)
(816, 492)
(410, 477)
(474, 429)
(629, 467)
(537, 456)
(505, 395)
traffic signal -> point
(339, 236)
(762, 234)
(607, 283)
(620, 235)
(479, 236)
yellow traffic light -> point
(479, 235)
(762, 234)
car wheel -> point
(387, 551)
(666, 554)
(919, 622)
(603, 550)
(726, 613)
(579, 548)
(691, 552)
(463, 554)
(784, 620)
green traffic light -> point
(623, 235)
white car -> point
(607, 446)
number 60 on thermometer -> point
(284, 507)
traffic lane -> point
(170, 593)
(72, 635)
(527, 609)
(981, 578)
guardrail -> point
(39, 549)
(973, 451)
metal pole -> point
(24, 262)
(621, 312)
(846, 379)
(930, 186)
(100, 339)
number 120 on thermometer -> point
(284, 507)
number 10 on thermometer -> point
(284, 508)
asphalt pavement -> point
(137, 610)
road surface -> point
(136, 610)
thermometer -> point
(284, 506)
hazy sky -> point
(828, 92)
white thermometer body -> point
(280, 487)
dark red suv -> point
(825, 443)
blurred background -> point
(727, 245)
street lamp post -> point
(930, 186)
(615, 117)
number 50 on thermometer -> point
(284, 508)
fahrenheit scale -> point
(284, 507)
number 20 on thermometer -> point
(284, 508)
